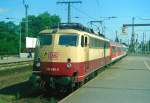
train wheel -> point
(81, 83)
(70, 88)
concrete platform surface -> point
(14, 59)
(127, 81)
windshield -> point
(69, 40)
(45, 40)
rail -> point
(11, 65)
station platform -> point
(127, 81)
(14, 59)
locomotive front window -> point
(68, 40)
(45, 39)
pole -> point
(69, 7)
(69, 13)
(133, 36)
(149, 45)
(143, 44)
(132, 45)
(26, 13)
(26, 16)
(20, 41)
(137, 43)
(102, 27)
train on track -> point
(68, 55)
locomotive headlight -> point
(69, 65)
(38, 64)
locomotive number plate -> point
(53, 55)
(53, 69)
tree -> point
(40, 22)
(8, 38)
(9, 32)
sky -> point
(88, 10)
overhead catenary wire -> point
(82, 12)
(97, 2)
(69, 7)
(87, 16)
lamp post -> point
(20, 40)
(26, 6)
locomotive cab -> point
(70, 56)
(60, 59)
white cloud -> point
(3, 10)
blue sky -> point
(89, 10)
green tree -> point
(8, 38)
(40, 22)
(9, 32)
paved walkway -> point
(14, 59)
(127, 81)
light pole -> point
(20, 40)
(26, 16)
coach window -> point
(107, 45)
(113, 50)
(82, 41)
(85, 41)
(101, 44)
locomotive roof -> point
(74, 28)
(69, 31)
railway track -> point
(14, 81)
(5, 66)
(42, 97)
(15, 87)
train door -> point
(84, 44)
(104, 53)
(87, 52)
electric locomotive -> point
(69, 55)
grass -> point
(2, 101)
(13, 83)
(14, 78)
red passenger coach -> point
(117, 51)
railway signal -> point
(124, 30)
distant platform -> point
(127, 81)
(14, 59)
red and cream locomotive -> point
(67, 56)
